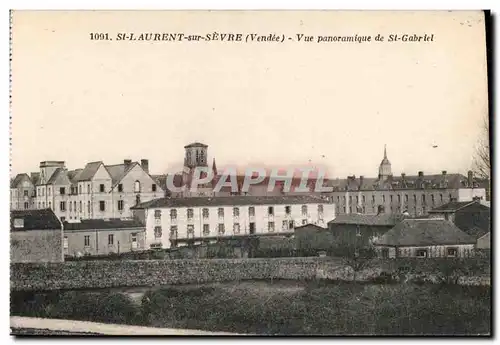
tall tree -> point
(482, 164)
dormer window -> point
(18, 223)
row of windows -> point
(86, 240)
(25, 193)
(364, 209)
(286, 225)
(72, 205)
(392, 199)
(102, 189)
(236, 211)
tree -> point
(358, 258)
(482, 164)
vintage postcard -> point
(250, 173)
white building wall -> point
(464, 250)
(261, 220)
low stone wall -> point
(107, 274)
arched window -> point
(137, 187)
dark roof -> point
(118, 171)
(425, 232)
(18, 179)
(92, 224)
(384, 219)
(44, 219)
(35, 177)
(195, 144)
(310, 227)
(454, 206)
(89, 171)
(230, 201)
(477, 232)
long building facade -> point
(172, 222)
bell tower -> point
(195, 155)
(384, 170)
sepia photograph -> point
(250, 173)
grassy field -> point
(283, 307)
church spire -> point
(214, 168)
(385, 151)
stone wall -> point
(36, 246)
(106, 274)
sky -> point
(333, 105)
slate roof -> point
(118, 171)
(35, 178)
(18, 179)
(425, 232)
(97, 224)
(310, 227)
(477, 232)
(74, 175)
(195, 144)
(55, 175)
(43, 219)
(452, 206)
(89, 171)
(230, 201)
(368, 219)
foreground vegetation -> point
(281, 307)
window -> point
(190, 230)
(86, 241)
(205, 213)
(441, 197)
(19, 223)
(291, 224)
(120, 188)
(391, 199)
(252, 228)
(350, 209)
(26, 205)
(88, 207)
(350, 199)
(190, 213)
(432, 200)
(70, 207)
(221, 229)
(173, 231)
(399, 199)
(65, 242)
(383, 199)
(25, 193)
(62, 190)
(102, 205)
(137, 187)
(450, 197)
(120, 205)
(43, 204)
(62, 205)
(134, 241)
(288, 209)
(206, 229)
(363, 198)
(270, 211)
(320, 208)
(88, 189)
(304, 221)
(415, 198)
(343, 198)
(284, 225)
(236, 212)
(251, 211)
(111, 239)
(452, 252)
(48, 191)
(421, 253)
(304, 210)
(43, 192)
(80, 189)
(373, 199)
(236, 228)
(423, 198)
(406, 197)
(220, 212)
(101, 188)
(385, 253)
(157, 213)
(173, 214)
(158, 231)
(153, 187)
(270, 226)
(50, 204)
(80, 208)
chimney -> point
(444, 172)
(420, 174)
(145, 165)
(127, 161)
(381, 209)
(403, 175)
(361, 181)
(470, 178)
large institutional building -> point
(172, 222)
(97, 191)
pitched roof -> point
(43, 219)
(18, 179)
(74, 175)
(58, 175)
(89, 171)
(477, 232)
(310, 227)
(93, 224)
(35, 177)
(230, 201)
(425, 232)
(118, 171)
(195, 144)
(384, 219)
(453, 206)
